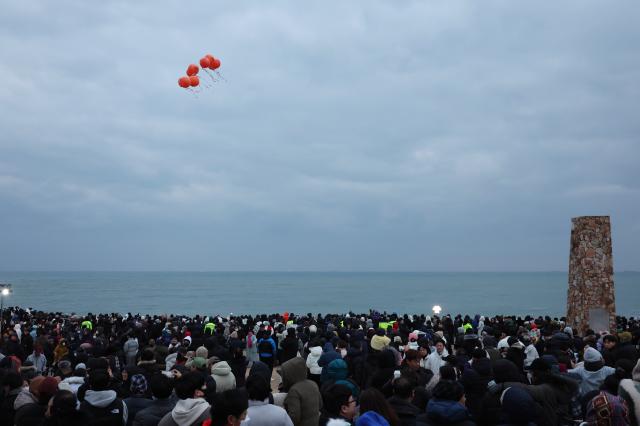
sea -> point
(224, 293)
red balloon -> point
(194, 80)
(216, 64)
(192, 70)
(184, 82)
(205, 62)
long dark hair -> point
(373, 400)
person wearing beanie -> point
(30, 413)
(29, 394)
(629, 390)
(591, 375)
(138, 400)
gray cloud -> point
(409, 136)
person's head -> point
(609, 341)
(403, 388)
(147, 355)
(373, 400)
(439, 346)
(161, 386)
(37, 349)
(12, 380)
(99, 380)
(62, 406)
(257, 387)
(449, 390)
(412, 359)
(65, 367)
(339, 402)
(46, 389)
(190, 385)
(139, 385)
(229, 408)
(447, 372)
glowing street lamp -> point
(437, 309)
(5, 290)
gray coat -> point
(303, 401)
(262, 413)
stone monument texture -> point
(591, 296)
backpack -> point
(607, 410)
(111, 415)
(265, 348)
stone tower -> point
(591, 296)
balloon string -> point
(220, 75)
(211, 76)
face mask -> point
(343, 352)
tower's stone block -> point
(591, 296)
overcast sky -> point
(396, 136)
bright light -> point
(437, 309)
(5, 291)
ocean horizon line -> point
(281, 271)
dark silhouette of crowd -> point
(290, 369)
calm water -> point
(266, 292)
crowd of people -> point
(314, 370)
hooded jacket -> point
(72, 384)
(443, 412)
(23, 398)
(102, 399)
(151, 415)
(262, 413)
(328, 354)
(223, 376)
(435, 361)
(187, 412)
(629, 390)
(312, 360)
(590, 380)
(303, 401)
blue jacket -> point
(443, 412)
